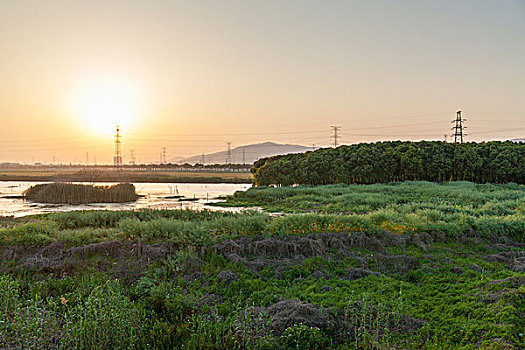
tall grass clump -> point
(176, 231)
(31, 234)
(9, 298)
(105, 319)
(91, 218)
(109, 218)
(26, 323)
(194, 232)
(242, 224)
(309, 223)
(67, 193)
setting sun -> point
(105, 101)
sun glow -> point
(103, 102)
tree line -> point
(381, 162)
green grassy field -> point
(450, 208)
(412, 265)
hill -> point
(252, 153)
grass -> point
(453, 196)
(451, 208)
(160, 311)
(205, 227)
(466, 300)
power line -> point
(234, 134)
(51, 139)
(497, 131)
(54, 140)
(391, 135)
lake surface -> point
(156, 196)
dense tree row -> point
(365, 163)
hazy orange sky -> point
(196, 74)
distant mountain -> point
(518, 140)
(251, 153)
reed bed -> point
(67, 193)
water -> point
(156, 196)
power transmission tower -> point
(313, 146)
(446, 137)
(243, 156)
(335, 136)
(229, 157)
(164, 155)
(117, 159)
(132, 157)
(87, 158)
(458, 128)
(202, 159)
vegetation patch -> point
(67, 193)
(413, 206)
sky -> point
(193, 75)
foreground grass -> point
(457, 283)
(162, 309)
